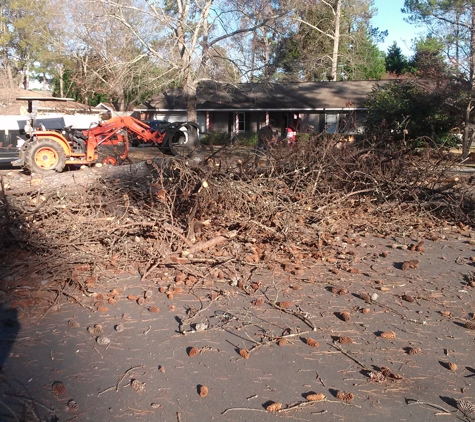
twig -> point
(348, 356)
(398, 313)
(242, 408)
(342, 402)
(294, 313)
(32, 400)
(120, 380)
(297, 405)
(435, 406)
(77, 301)
(58, 295)
(11, 411)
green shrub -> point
(224, 138)
(215, 138)
(408, 110)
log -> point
(18, 183)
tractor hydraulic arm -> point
(114, 128)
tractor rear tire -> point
(45, 156)
(179, 145)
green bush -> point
(215, 138)
(408, 110)
(224, 138)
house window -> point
(241, 122)
(331, 123)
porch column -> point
(267, 118)
(207, 122)
(236, 123)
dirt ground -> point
(138, 362)
(376, 328)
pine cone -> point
(338, 290)
(203, 390)
(73, 324)
(316, 397)
(408, 298)
(345, 340)
(153, 310)
(414, 351)
(365, 296)
(193, 352)
(58, 388)
(282, 342)
(244, 353)
(72, 406)
(465, 406)
(103, 341)
(284, 305)
(274, 407)
(343, 395)
(96, 330)
(311, 342)
(345, 316)
(138, 386)
(470, 325)
(388, 335)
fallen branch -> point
(208, 244)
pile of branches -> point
(178, 212)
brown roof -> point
(271, 96)
(10, 105)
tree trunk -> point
(60, 70)
(8, 70)
(336, 41)
(467, 138)
(189, 91)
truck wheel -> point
(45, 156)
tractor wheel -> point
(45, 156)
(109, 154)
(180, 145)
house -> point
(17, 105)
(332, 107)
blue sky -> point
(389, 17)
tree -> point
(101, 59)
(453, 20)
(182, 34)
(333, 40)
(428, 61)
(22, 25)
(395, 61)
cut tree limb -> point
(208, 244)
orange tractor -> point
(47, 151)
